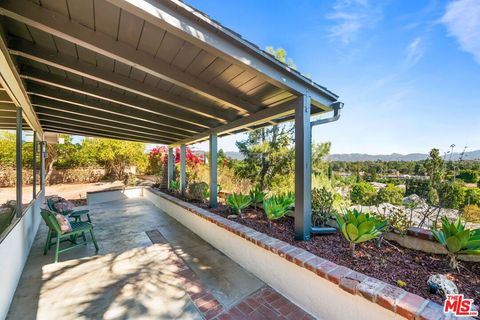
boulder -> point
(440, 284)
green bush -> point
(471, 213)
(470, 176)
(363, 193)
(237, 202)
(358, 227)
(322, 205)
(390, 194)
(457, 240)
(174, 186)
(420, 187)
(198, 191)
(451, 195)
(472, 196)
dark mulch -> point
(388, 263)
(78, 202)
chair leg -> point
(47, 243)
(88, 218)
(57, 249)
(94, 240)
(84, 238)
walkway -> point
(148, 267)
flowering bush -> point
(158, 158)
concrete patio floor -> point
(148, 267)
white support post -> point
(303, 169)
(183, 171)
(170, 166)
(213, 171)
(43, 154)
(34, 160)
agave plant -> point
(274, 209)
(257, 196)
(287, 200)
(175, 186)
(457, 240)
(359, 227)
(237, 202)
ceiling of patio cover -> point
(149, 71)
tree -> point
(390, 194)
(281, 55)
(435, 167)
(472, 196)
(268, 154)
(451, 195)
(7, 149)
(363, 193)
(470, 176)
(117, 155)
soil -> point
(389, 262)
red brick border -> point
(406, 304)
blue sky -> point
(407, 71)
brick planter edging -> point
(406, 304)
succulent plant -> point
(275, 208)
(457, 240)
(237, 202)
(359, 227)
(175, 186)
(257, 196)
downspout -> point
(337, 106)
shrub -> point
(322, 205)
(457, 240)
(472, 196)
(198, 191)
(363, 193)
(174, 186)
(451, 195)
(287, 200)
(470, 176)
(420, 187)
(257, 196)
(471, 213)
(237, 202)
(274, 209)
(390, 194)
(397, 220)
(358, 227)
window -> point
(8, 173)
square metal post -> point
(303, 169)
(183, 169)
(212, 162)
(43, 154)
(170, 167)
(34, 160)
(19, 162)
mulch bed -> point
(388, 263)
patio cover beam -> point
(94, 133)
(212, 37)
(75, 125)
(70, 30)
(149, 105)
(66, 118)
(212, 163)
(76, 109)
(70, 64)
(120, 110)
(12, 84)
(303, 169)
(262, 116)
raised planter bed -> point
(327, 262)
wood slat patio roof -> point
(150, 71)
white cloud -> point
(415, 51)
(462, 19)
(350, 17)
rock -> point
(440, 284)
(232, 216)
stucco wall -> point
(113, 195)
(318, 296)
(14, 250)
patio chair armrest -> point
(79, 213)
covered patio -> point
(149, 266)
(155, 72)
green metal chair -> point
(54, 233)
(77, 215)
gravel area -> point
(388, 263)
